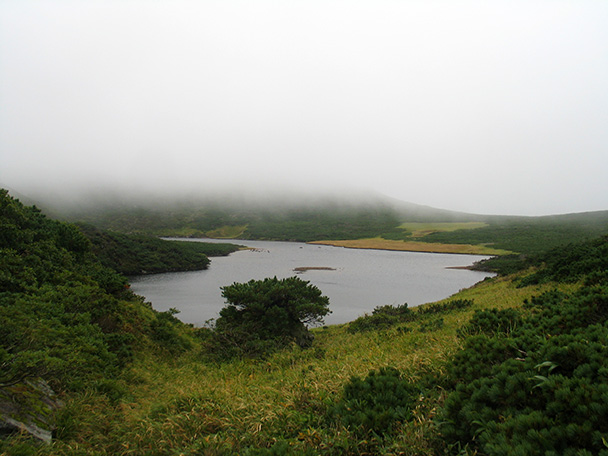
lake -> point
(355, 280)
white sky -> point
(485, 106)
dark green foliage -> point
(300, 222)
(493, 322)
(165, 330)
(263, 315)
(503, 265)
(534, 383)
(63, 315)
(430, 325)
(322, 223)
(443, 307)
(572, 263)
(377, 402)
(529, 235)
(385, 317)
(160, 219)
(144, 254)
(382, 317)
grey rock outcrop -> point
(29, 407)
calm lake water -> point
(358, 281)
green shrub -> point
(376, 403)
(442, 307)
(492, 322)
(265, 315)
(434, 324)
(571, 263)
(165, 330)
(382, 317)
(534, 383)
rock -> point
(29, 407)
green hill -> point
(514, 365)
(133, 254)
(374, 218)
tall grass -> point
(186, 406)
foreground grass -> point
(379, 243)
(188, 406)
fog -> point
(494, 107)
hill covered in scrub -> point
(373, 221)
(133, 254)
(67, 316)
(514, 365)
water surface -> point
(355, 280)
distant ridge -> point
(72, 204)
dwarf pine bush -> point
(376, 403)
(534, 384)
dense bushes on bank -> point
(534, 381)
(143, 254)
(64, 316)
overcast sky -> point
(486, 106)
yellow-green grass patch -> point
(227, 232)
(379, 243)
(421, 229)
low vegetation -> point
(133, 254)
(380, 243)
(421, 229)
(514, 365)
(65, 317)
(299, 223)
(533, 381)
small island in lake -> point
(303, 269)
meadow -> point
(513, 365)
(185, 405)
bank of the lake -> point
(379, 243)
(355, 280)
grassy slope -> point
(177, 406)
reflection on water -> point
(355, 280)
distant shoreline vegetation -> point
(413, 246)
(137, 254)
(378, 224)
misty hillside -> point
(295, 217)
(366, 213)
